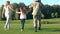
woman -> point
(7, 9)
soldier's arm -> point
(37, 7)
(31, 5)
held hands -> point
(16, 11)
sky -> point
(27, 2)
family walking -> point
(36, 5)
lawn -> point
(15, 28)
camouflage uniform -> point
(37, 6)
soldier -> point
(37, 6)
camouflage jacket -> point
(37, 6)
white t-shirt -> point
(22, 16)
(7, 11)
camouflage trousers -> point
(37, 21)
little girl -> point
(7, 9)
(22, 16)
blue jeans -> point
(22, 23)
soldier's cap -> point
(37, 0)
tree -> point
(56, 8)
(15, 6)
(0, 14)
(47, 11)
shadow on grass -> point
(51, 29)
(45, 29)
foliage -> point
(47, 11)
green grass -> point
(15, 28)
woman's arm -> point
(11, 8)
(2, 12)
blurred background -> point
(50, 10)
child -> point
(7, 9)
(22, 16)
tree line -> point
(46, 13)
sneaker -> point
(39, 28)
(5, 28)
(22, 30)
(35, 29)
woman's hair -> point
(23, 10)
(8, 2)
